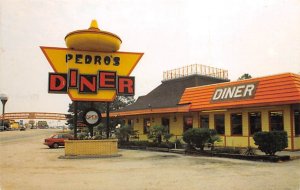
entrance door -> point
(166, 123)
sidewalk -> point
(292, 154)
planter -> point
(132, 147)
(266, 158)
(158, 149)
(92, 148)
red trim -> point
(248, 140)
(244, 105)
(48, 59)
(179, 109)
(292, 126)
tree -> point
(245, 76)
(118, 103)
(124, 132)
(214, 137)
(157, 133)
(196, 137)
(271, 142)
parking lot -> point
(28, 164)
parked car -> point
(56, 140)
(22, 128)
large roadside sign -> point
(91, 76)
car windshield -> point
(53, 136)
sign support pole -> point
(75, 119)
(107, 120)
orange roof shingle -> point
(270, 90)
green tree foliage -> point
(118, 103)
(214, 137)
(157, 133)
(245, 76)
(271, 142)
(124, 132)
(198, 137)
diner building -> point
(201, 96)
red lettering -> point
(73, 76)
(57, 82)
(107, 79)
(88, 84)
(126, 85)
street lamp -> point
(3, 98)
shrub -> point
(228, 150)
(178, 143)
(271, 142)
(157, 133)
(97, 137)
(249, 151)
(134, 143)
(82, 136)
(196, 137)
(214, 137)
(124, 132)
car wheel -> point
(55, 145)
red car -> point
(56, 140)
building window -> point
(220, 123)
(187, 123)
(165, 122)
(204, 121)
(276, 120)
(130, 122)
(297, 122)
(146, 125)
(236, 124)
(254, 122)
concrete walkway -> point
(292, 154)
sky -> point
(259, 37)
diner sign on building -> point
(234, 92)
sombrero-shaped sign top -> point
(93, 39)
(91, 69)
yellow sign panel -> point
(64, 60)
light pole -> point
(3, 98)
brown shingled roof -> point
(166, 96)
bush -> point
(214, 137)
(249, 151)
(124, 132)
(133, 143)
(196, 137)
(271, 142)
(228, 150)
(178, 143)
(157, 133)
